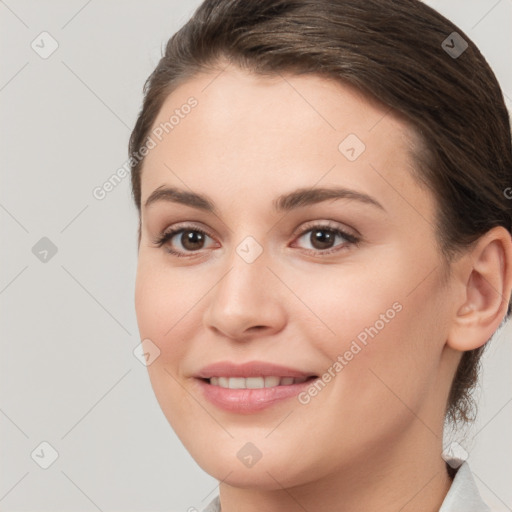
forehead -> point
(248, 133)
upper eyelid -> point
(190, 227)
(305, 226)
(326, 224)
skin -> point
(372, 438)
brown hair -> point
(397, 51)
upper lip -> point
(249, 369)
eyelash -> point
(162, 239)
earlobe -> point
(486, 282)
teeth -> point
(270, 382)
(254, 382)
(236, 383)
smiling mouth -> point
(256, 382)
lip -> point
(248, 401)
(249, 369)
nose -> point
(247, 301)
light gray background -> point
(69, 376)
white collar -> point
(463, 493)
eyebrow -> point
(292, 200)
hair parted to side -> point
(392, 51)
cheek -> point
(385, 340)
(160, 299)
(352, 303)
(163, 310)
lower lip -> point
(247, 401)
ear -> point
(484, 279)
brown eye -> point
(322, 238)
(192, 240)
(183, 241)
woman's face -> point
(268, 278)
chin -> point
(270, 473)
(258, 477)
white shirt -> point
(463, 495)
